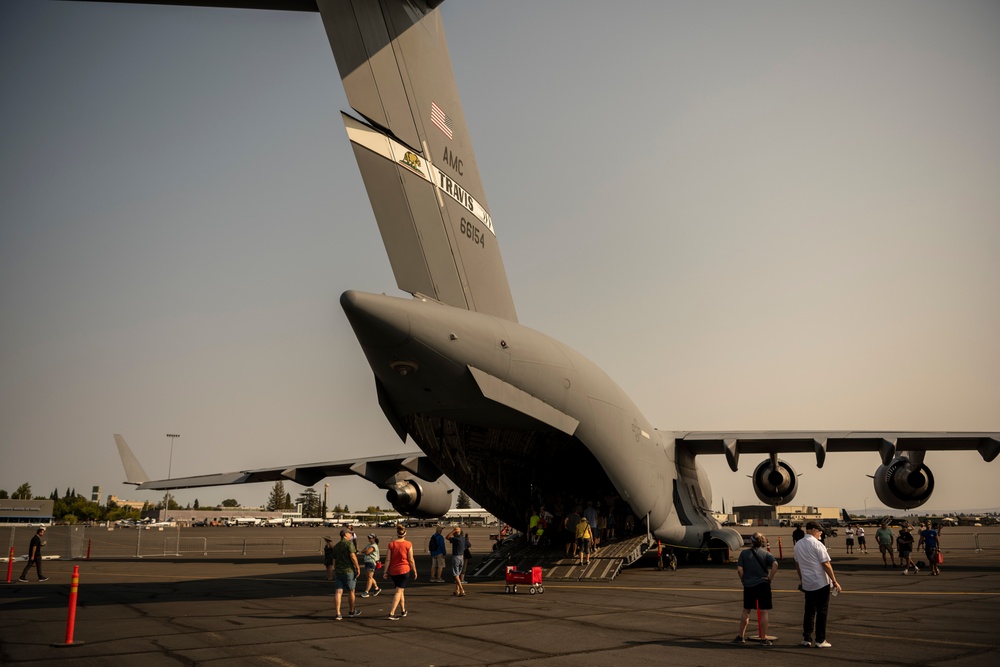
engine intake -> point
(903, 485)
(775, 482)
(419, 498)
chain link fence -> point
(116, 542)
(102, 542)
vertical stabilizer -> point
(134, 474)
(415, 153)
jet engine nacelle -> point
(903, 485)
(775, 482)
(419, 498)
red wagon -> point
(532, 577)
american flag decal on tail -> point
(442, 120)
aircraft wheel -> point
(673, 563)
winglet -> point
(134, 474)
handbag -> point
(938, 557)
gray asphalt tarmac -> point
(279, 611)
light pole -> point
(326, 488)
(170, 468)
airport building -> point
(770, 515)
(128, 504)
(34, 512)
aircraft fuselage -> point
(510, 414)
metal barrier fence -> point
(61, 541)
(78, 542)
(987, 542)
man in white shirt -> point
(816, 577)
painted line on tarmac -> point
(704, 589)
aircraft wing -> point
(378, 470)
(887, 444)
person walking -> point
(885, 538)
(35, 556)
(328, 556)
(862, 544)
(756, 568)
(346, 572)
(400, 565)
(458, 546)
(438, 551)
(904, 542)
(584, 539)
(816, 580)
(930, 540)
(370, 556)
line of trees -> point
(71, 507)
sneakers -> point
(823, 644)
(739, 640)
(355, 613)
(22, 579)
(338, 617)
(364, 595)
(44, 579)
(404, 613)
(377, 591)
(905, 572)
(806, 642)
(394, 618)
(766, 642)
(916, 569)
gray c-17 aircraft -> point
(506, 412)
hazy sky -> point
(766, 215)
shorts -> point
(456, 565)
(904, 555)
(369, 566)
(761, 593)
(345, 581)
(850, 541)
(399, 580)
(885, 548)
(438, 561)
(861, 540)
(585, 545)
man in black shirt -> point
(35, 556)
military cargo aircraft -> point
(506, 412)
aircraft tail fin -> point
(134, 474)
(415, 152)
